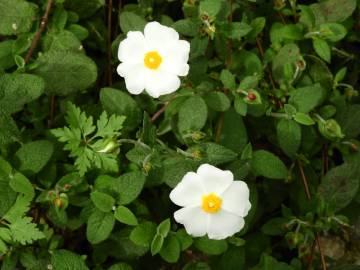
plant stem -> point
(159, 112)
(109, 68)
(308, 195)
(41, 29)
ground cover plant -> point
(168, 134)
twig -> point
(52, 111)
(311, 257)
(159, 112)
(109, 69)
(41, 29)
(261, 51)
(219, 127)
(308, 195)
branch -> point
(109, 69)
(159, 112)
(41, 29)
(308, 195)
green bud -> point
(110, 145)
(61, 201)
(147, 167)
(330, 129)
(197, 135)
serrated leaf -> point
(268, 165)
(25, 232)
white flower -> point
(213, 203)
(153, 60)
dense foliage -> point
(86, 168)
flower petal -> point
(236, 199)
(175, 57)
(214, 179)
(161, 83)
(132, 73)
(193, 219)
(224, 224)
(157, 35)
(189, 191)
(133, 48)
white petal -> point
(161, 83)
(193, 219)
(224, 224)
(236, 199)
(132, 73)
(189, 191)
(133, 48)
(158, 35)
(175, 57)
(215, 180)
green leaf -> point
(211, 247)
(240, 105)
(102, 201)
(156, 244)
(143, 234)
(170, 251)
(322, 49)
(129, 186)
(332, 31)
(333, 10)
(175, 168)
(238, 30)
(21, 184)
(280, 32)
(217, 101)
(130, 21)
(66, 73)
(288, 136)
(192, 115)
(62, 41)
(340, 75)
(340, 185)
(269, 263)
(66, 260)
(163, 228)
(16, 16)
(304, 119)
(307, 16)
(33, 156)
(307, 98)
(120, 266)
(8, 132)
(268, 165)
(19, 89)
(274, 226)
(6, 55)
(234, 135)
(213, 153)
(117, 102)
(228, 79)
(99, 226)
(186, 27)
(348, 120)
(25, 232)
(124, 215)
(210, 7)
(184, 239)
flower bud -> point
(253, 97)
(330, 129)
(108, 146)
(61, 202)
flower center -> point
(211, 203)
(152, 60)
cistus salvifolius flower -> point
(153, 60)
(212, 202)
